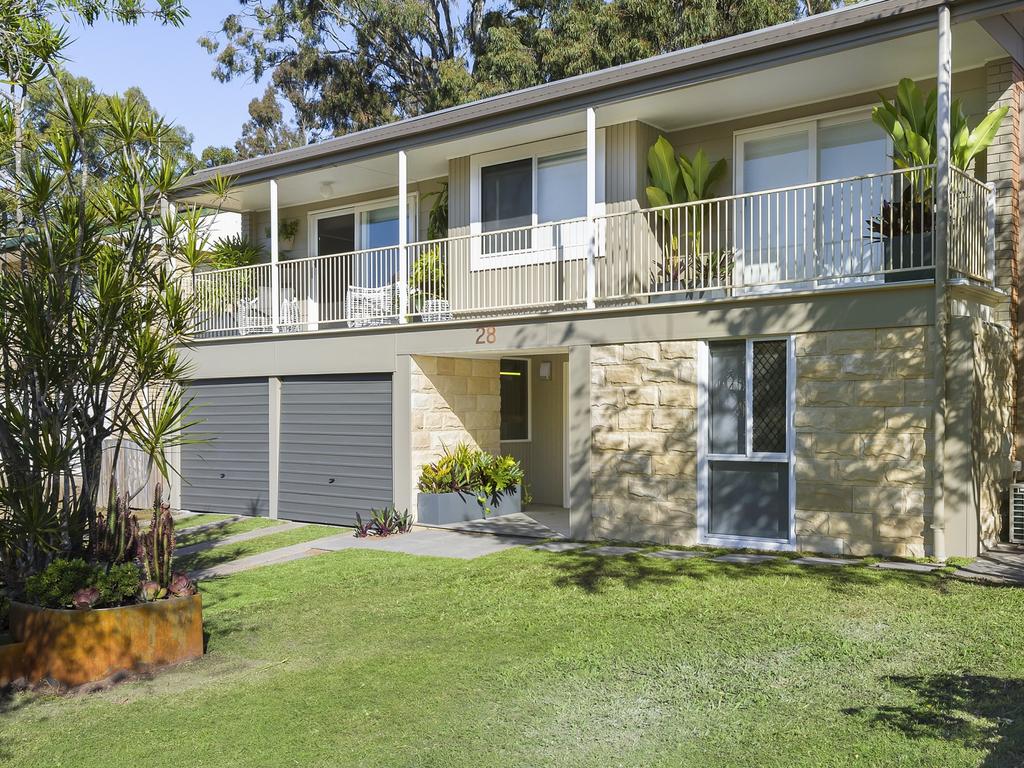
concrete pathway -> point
(1002, 565)
(256, 533)
(431, 542)
(518, 524)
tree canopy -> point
(344, 65)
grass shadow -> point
(979, 712)
(593, 573)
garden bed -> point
(74, 647)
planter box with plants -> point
(121, 610)
(469, 484)
(906, 223)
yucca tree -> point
(95, 315)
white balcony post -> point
(275, 277)
(403, 237)
(591, 231)
(940, 256)
(990, 232)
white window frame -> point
(529, 399)
(533, 151)
(749, 456)
(809, 124)
(357, 209)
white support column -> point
(591, 232)
(275, 277)
(944, 88)
(403, 237)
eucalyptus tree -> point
(95, 313)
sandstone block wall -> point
(644, 449)
(862, 453)
(454, 400)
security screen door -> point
(748, 439)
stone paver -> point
(256, 533)
(892, 565)
(814, 560)
(515, 524)
(675, 554)
(612, 551)
(744, 559)
(1002, 565)
(558, 546)
(430, 542)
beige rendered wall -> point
(453, 400)
(542, 457)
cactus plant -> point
(115, 538)
(156, 546)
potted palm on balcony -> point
(905, 223)
(686, 268)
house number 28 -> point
(486, 335)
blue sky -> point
(171, 69)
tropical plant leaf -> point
(656, 197)
(664, 171)
(981, 137)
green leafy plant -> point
(437, 221)
(234, 251)
(466, 469)
(57, 585)
(429, 277)
(910, 121)
(676, 180)
(286, 229)
(383, 522)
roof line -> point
(854, 25)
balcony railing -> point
(863, 230)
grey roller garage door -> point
(335, 447)
(230, 472)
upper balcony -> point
(861, 231)
(548, 210)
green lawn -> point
(189, 522)
(227, 552)
(363, 658)
(211, 534)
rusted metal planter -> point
(77, 647)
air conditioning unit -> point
(1017, 513)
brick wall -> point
(454, 400)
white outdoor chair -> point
(437, 310)
(369, 306)
(250, 319)
(290, 322)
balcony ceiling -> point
(830, 75)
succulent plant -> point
(85, 598)
(115, 537)
(156, 546)
(151, 591)
(182, 586)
